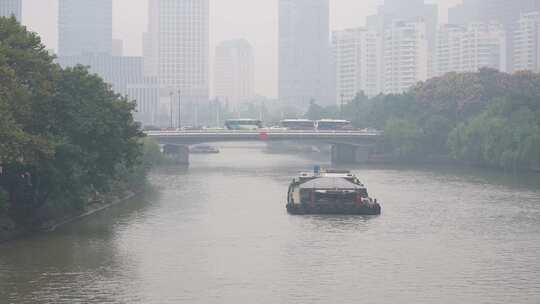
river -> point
(218, 232)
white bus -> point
(243, 124)
(297, 124)
(334, 125)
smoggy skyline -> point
(256, 21)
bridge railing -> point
(261, 131)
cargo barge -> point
(330, 192)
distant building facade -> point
(304, 52)
(117, 47)
(234, 72)
(125, 75)
(448, 51)
(118, 71)
(468, 49)
(409, 11)
(467, 12)
(146, 93)
(405, 61)
(11, 7)
(527, 43)
(484, 45)
(84, 27)
(176, 47)
(85, 38)
(505, 12)
(357, 59)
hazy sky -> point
(255, 20)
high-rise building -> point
(357, 59)
(84, 27)
(503, 11)
(484, 46)
(448, 49)
(527, 43)
(149, 51)
(176, 48)
(11, 7)
(506, 12)
(117, 47)
(467, 49)
(234, 73)
(409, 11)
(465, 13)
(118, 71)
(125, 75)
(146, 95)
(304, 52)
(405, 59)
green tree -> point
(403, 138)
(63, 133)
(357, 111)
(4, 201)
(436, 129)
(27, 87)
(488, 118)
(315, 111)
(27, 77)
(502, 136)
(97, 130)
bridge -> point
(347, 146)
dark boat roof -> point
(329, 183)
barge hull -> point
(365, 210)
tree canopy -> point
(63, 134)
(487, 118)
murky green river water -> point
(219, 233)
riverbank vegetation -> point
(66, 139)
(486, 118)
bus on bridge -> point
(245, 124)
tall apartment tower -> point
(484, 45)
(502, 11)
(84, 27)
(466, 12)
(357, 58)
(408, 11)
(11, 7)
(506, 12)
(304, 52)
(405, 56)
(176, 48)
(448, 50)
(468, 49)
(234, 73)
(527, 43)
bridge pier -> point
(179, 153)
(350, 154)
